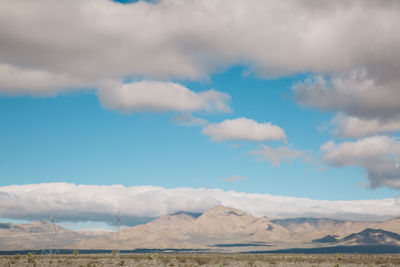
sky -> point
(279, 108)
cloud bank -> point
(75, 203)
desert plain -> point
(200, 259)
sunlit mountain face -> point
(220, 229)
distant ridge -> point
(314, 221)
(194, 215)
(221, 229)
(326, 239)
(373, 236)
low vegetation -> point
(215, 260)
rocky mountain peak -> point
(225, 211)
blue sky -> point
(71, 138)
(298, 113)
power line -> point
(118, 232)
(397, 200)
(52, 233)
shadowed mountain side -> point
(326, 239)
(6, 225)
(372, 236)
(306, 229)
(366, 237)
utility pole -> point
(118, 232)
(52, 233)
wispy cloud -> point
(187, 119)
(233, 179)
(280, 154)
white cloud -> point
(367, 105)
(161, 96)
(354, 92)
(72, 202)
(20, 81)
(179, 39)
(378, 155)
(244, 129)
(44, 51)
(279, 154)
(354, 127)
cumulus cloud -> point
(279, 154)
(20, 81)
(354, 127)
(354, 92)
(161, 96)
(378, 155)
(44, 52)
(367, 105)
(192, 39)
(72, 202)
(244, 129)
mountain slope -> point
(36, 235)
(391, 225)
(372, 237)
(307, 229)
(220, 225)
(217, 229)
(163, 232)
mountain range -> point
(219, 229)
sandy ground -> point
(200, 260)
